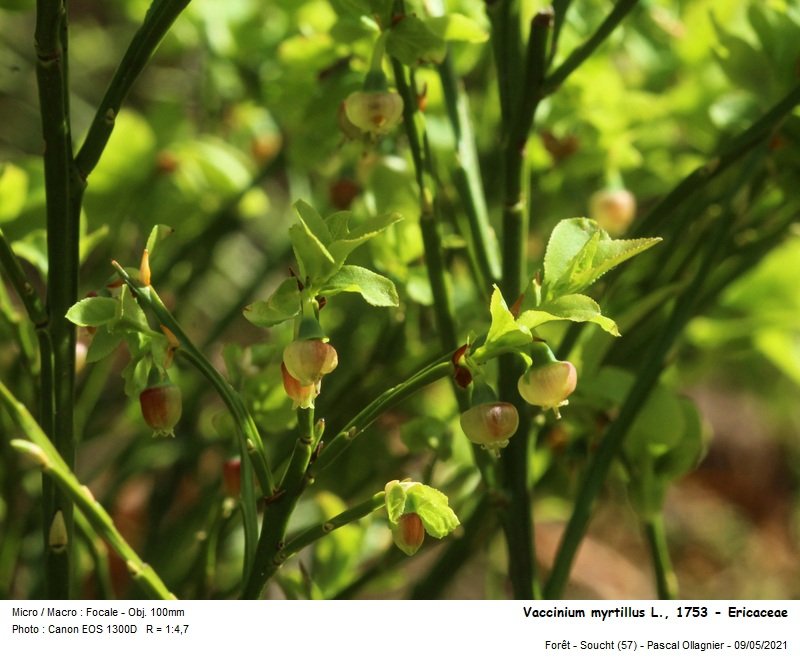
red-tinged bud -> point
(374, 112)
(302, 396)
(308, 360)
(490, 424)
(549, 385)
(161, 407)
(461, 373)
(232, 477)
(409, 533)
(613, 210)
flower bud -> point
(549, 385)
(409, 533)
(490, 424)
(613, 209)
(374, 112)
(302, 395)
(232, 477)
(161, 407)
(308, 360)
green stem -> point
(97, 549)
(517, 517)
(585, 50)
(277, 513)
(158, 20)
(58, 381)
(370, 413)
(24, 289)
(246, 427)
(468, 180)
(666, 580)
(611, 443)
(44, 453)
(734, 149)
(507, 48)
(316, 532)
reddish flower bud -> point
(409, 533)
(376, 113)
(549, 385)
(161, 407)
(490, 424)
(613, 210)
(302, 395)
(308, 360)
(232, 477)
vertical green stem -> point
(666, 580)
(517, 518)
(58, 365)
(278, 511)
(468, 180)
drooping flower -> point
(490, 424)
(374, 112)
(161, 406)
(308, 360)
(548, 385)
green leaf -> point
(579, 252)
(395, 500)
(136, 375)
(433, 508)
(104, 342)
(339, 224)
(411, 41)
(428, 503)
(281, 306)
(129, 315)
(376, 289)
(92, 312)
(313, 220)
(457, 27)
(573, 307)
(316, 262)
(340, 249)
(157, 234)
(505, 333)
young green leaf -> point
(505, 332)
(93, 312)
(157, 234)
(309, 215)
(316, 262)
(341, 248)
(375, 289)
(281, 306)
(103, 344)
(573, 307)
(579, 252)
(429, 504)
